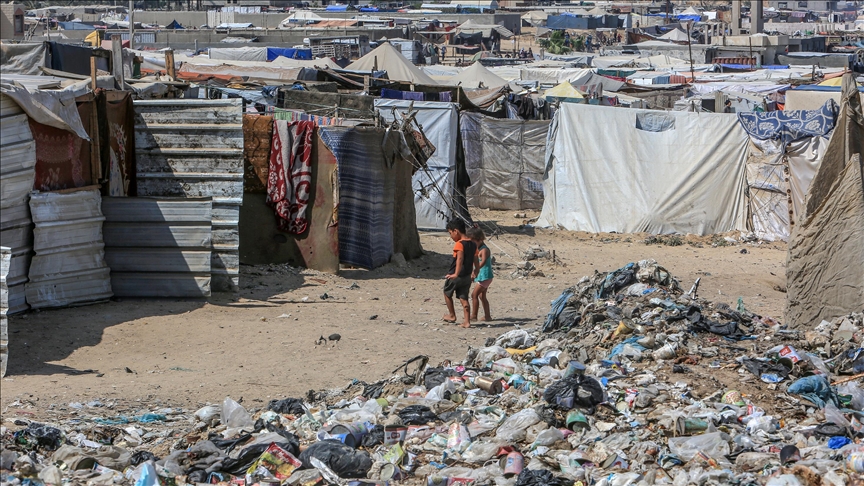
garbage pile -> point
(629, 381)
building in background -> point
(12, 21)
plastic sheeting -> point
(239, 53)
(53, 108)
(434, 187)
(504, 159)
(22, 58)
(604, 174)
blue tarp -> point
(369, 9)
(694, 18)
(815, 87)
(174, 25)
(337, 8)
(788, 126)
(289, 52)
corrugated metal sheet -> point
(5, 258)
(158, 247)
(17, 170)
(69, 265)
(193, 149)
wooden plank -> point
(148, 260)
(156, 210)
(155, 235)
(164, 285)
(117, 61)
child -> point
(459, 277)
(483, 274)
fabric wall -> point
(644, 171)
(22, 58)
(504, 159)
(239, 53)
(433, 188)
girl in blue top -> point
(482, 276)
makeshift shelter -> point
(300, 17)
(505, 161)
(824, 271)
(439, 189)
(786, 148)
(631, 171)
(385, 57)
(676, 35)
(485, 30)
(174, 25)
(239, 53)
(564, 92)
(476, 76)
(537, 18)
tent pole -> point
(131, 21)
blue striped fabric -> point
(366, 195)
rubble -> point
(628, 381)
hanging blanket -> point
(290, 177)
(788, 126)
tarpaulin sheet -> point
(53, 108)
(289, 52)
(69, 58)
(824, 274)
(504, 159)
(605, 174)
(22, 58)
(239, 53)
(434, 188)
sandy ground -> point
(260, 344)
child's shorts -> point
(461, 286)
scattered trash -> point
(628, 381)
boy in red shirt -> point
(458, 279)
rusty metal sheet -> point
(192, 149)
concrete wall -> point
(7, 21)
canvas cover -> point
(239, 53)
(435, 188)
(824, 271)
(504, 159)
(634, 170)
(473, 76)
(386, 58)
(22, 58)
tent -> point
(676, 35)
(536, 18)
(239, 53)
(174, 25)
(633, 170)
(471, 27)
(824, 274)
(385, 57)
(564, 92)
(504, 159)
(439, 191)
(474, 76)
(300, 17)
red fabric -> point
(290, 179)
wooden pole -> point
(169, 65)
(117, 60)
(92, 72)
(95, 145)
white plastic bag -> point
(715, 445)
(548, 437)
(482, 450)
(234, 415)
(513, 428)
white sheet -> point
(608, 175)
(440, 122)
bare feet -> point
(450, 319)
(473, 318)
(465, 325)
(486, 319)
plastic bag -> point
(442, 391)
(417, 415)
(482, 450)
(852, 389)
(517, 338)
(513, 428)
(485, 420)
(548, 437)
(576, 391)
(287, 405)
(714, 444)
(529, 477)
(345, 461)
(234, 415)
(488, 354)
(208, 414)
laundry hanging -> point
(290, 177)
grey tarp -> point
(504, 159)
(22, 58)
(824, 270)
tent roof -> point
(472, 76)
(389, 59)
(563, 90)
(597, 11)
(535, 15)
(471, 27)
(675, 35)
(691, 11)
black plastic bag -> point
(42, 435)
(287, 405)
(540, 477)
(417, 415)
(196, 477)
(142, 456)
(758, 368)
(374, 437)
(228, 445)
(436, 376)
(577, 391)
(345, 461)
(250, 454)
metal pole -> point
(690, 48)
(131, 21)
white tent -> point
(535, 17)
(675, 35)
(638, 170)
(300, 17)
(386, 58)
(474, 76)
(434, 188)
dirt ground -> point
(261, 343)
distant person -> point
(530, 53)
(458, 279)
(482, 276)
(443, 52)
(727, 107)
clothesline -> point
(297, 115)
